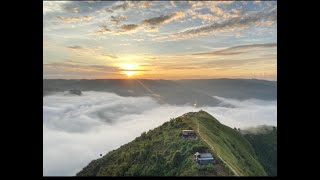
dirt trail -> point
(235, 172)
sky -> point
(159, 39)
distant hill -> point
(180, 92)
(264, 141)
(235, 88)
(164, 152)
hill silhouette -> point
(164, 152)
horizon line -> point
(159, 79)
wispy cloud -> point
(163, 19)
(128, 27)
(53, 6)
(129, 5)
(123, 6)
(85, 7)
(75, 47)
(149, 25)
(75, 19)
(93, 52)
(230, 24)
(85, 51)
(111, 56)
(73, 68)
(103, 30)
(238, 49)
(118, 19)
(218, 11)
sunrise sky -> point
(159, 39)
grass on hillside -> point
(163, 152)
(159, 152)
(235, 150)
(265, 146)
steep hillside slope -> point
(264, 142)
(164, 152)
(234, 150)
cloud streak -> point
(91, 51)
(238, 49)
(75, 19)
(149, 25)
(118, 19)
(51, 7)
(80, 50)
(123, 6)
(78, 69)
(227, 25)
(75, 47)
(155, 21)
(128, 27)
(103, 30)
(110, 56)
(129, 5)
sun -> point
(130, 69)
(129, 73)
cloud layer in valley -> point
(77, 129)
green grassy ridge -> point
(163, 152)
(265, 146)
(159, 152)
(230, 144)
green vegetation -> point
(159, 152)
(228, 143)
(164, 152)
(265, 146)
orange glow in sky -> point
(187, 40)
(130, 69)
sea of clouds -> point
(77, 129)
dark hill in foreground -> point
(164, 152)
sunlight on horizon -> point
(130, 69)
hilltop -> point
(164, 152)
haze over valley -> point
(78, 129)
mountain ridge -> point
(174, 92)
(163, 152)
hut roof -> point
(204, 155)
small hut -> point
(203, 158)
(188, 133)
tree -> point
(143, 135)
(177, 158)
(199, 148)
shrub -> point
(143, 135)
(199, 148)
(210, 167)
(177, 158)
